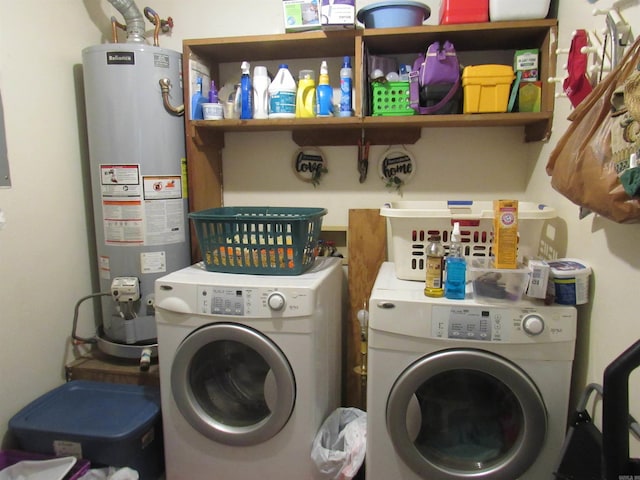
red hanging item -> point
(577, 85)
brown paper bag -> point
(583, 166)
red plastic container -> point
(464, 11)
(10, 457)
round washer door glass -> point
(461, 414)
(233, 384)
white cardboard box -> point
(337, 14)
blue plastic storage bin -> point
(108, 424)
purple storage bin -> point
(10, 457)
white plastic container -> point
(282, 94)
(411, 223)
(212, 111)
(518, 9)
(261, 84)
(569, 281)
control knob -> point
(276, 301)
(533, 324)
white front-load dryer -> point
(249, 370)
(459, 390)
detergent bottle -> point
(260, 92)
(306, 95)
(246, 93)
(324, 93)
(282, 94)
(346, 84)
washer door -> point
(466, 414)
(233, 384)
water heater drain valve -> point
(125, 289)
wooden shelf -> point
(467, 38)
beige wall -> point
(46, 262)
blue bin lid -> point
(91, 409)
(392, 3)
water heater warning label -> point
(140, 210)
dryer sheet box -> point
(337, 14)
(109, 424)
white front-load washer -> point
(249, 370)
(462, 390)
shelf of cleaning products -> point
(474, 43)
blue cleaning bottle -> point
(455, 267)
(246, 93)
(324, 93)
(346, 84)
(197, 99)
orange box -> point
(464, 11)
(505, 233)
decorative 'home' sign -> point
(396, 167)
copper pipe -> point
(165, 86)
(154, 18)
(114, 26)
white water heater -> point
(139, 185)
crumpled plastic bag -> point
(111, 473)
(339, 446)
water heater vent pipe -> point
(134, 20)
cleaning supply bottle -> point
(261, 84)
(197, 99)
(435, 263)
(215, 109)
(282, 94)
(246, 92)
(455, 267)
(346, 84)
(324, 93)
(306, 95)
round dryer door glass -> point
(233, 384)
(466, 414)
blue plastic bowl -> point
(392, 14)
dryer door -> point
(233, 384)
(466, 414)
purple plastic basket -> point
(9, 457)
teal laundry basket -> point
(258, 240)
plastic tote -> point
(339, 446)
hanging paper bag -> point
(586, 162)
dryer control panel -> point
(499, 324)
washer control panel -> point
(495, 323)
(253, 302)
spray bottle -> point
(246, 93)
(455, 267)
(324, 94)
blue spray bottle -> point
(456, 267)
(246, 92)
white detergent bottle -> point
(261, 84)
(282, 94)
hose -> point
(75, 337)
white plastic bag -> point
(339, 446)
